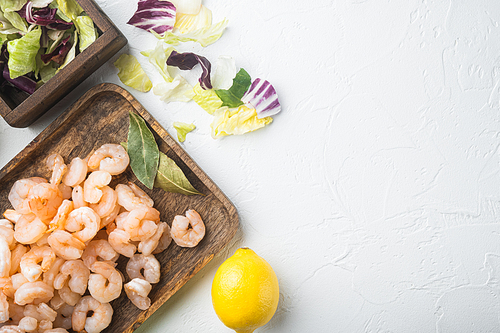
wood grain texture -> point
(101, 116)
(20, 109)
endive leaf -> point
(171, 178)
(142, 150)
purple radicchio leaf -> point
(44, 17)
(59, 54)
(155, 15)
(263, 98)
(22, 82)
(188, 60)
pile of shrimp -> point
(60, 243)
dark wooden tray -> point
(101, 116)
(21, 110)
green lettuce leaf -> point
(183, 129)
(158, 58)
(16, 20)
(12, 5)
(87, 30)
(132, 74)
(6, 27)
(47, 72)
(70, 8)
(232, 96)
(236, 121)
(207, 99)
(22, 53)
(204, 36)
(178, 90)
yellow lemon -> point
(245, 291)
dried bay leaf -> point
(171, 178)
(142, 150)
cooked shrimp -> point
(17, 281)
(149, 264)
(83, 223)
(92, 186)
(107, 203)
(77, 172)
(99, 249)
(40, 312)
(112, 158)
(7, 287)
(141, 223)
(5, 257)
(44, 325)
(50, 275)
(188, 231)
(15, 258)
(59, 220)
(12, 215)
(56, 164)
(18, 195)
(77, 273)
(100, 319)
(29, 229)
(137, 291)
(16, 311)
(30, 267)
(111, 217)
(66, 191)
(7, 232)
(4, 308)
(120, 241)
(44, 199)
(56, 330)
(68, 296)
(28, 324)
(33, 292)
(77, 196)
(105, 284)
(132, 197)
(147, 246)
(120, 220)
(164, 241)
(66, 245)
(56, 302)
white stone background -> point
(375, 194)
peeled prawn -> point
(100, 319)
(29, 262)
(76, 274)
(112, 158)
(18, 195)
(66, 245)
(141, 223)
(77, 172)
(59, 220)
(132, 197)
(99, 249)
(147, 246)
(120, 241)
(15, 259)
(36, 292)
(29, 229)
(56, 164)
(107, 203)
(5, 258)
(188, 231)
(44, 199)
(105, 284)
(84, 223)
(77, 197)
(92, 186)
(137, 291)
(148, 264)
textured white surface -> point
(375, 194)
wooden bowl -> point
(20, 109)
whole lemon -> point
(245, 291)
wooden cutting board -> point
(102, 116)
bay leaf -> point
(171, 178)
(142, 150)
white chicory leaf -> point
(207, 99)
(158, 58)
(182, 130)
(7, 28)
(225, 71)
(155, 15)
(178, 90)
(132, 74)
(263, 97)
(204, 36)
(189, 22)
(236, 121)
(41, 3)
(22, 53)
(187, 6)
